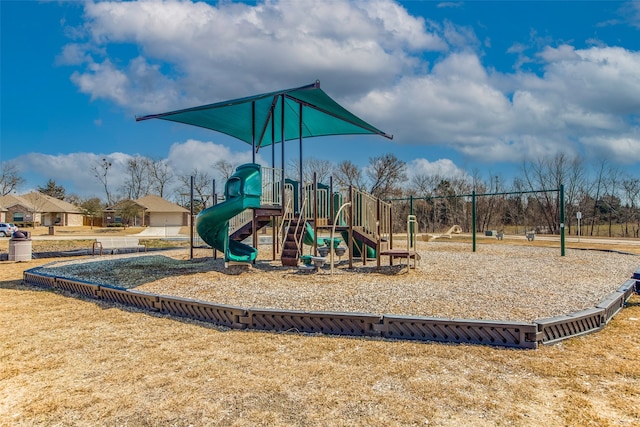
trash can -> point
(52, 230)
(20, 248)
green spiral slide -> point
(242, 191)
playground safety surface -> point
(497, 283)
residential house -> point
(152, 211)
(36, 208)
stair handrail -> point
(287, 213)
(238, 221)
(411, 232)
(302, 219)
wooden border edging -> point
(352, 324)
(459, 331)
(504, 334)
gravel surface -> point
(498, 282)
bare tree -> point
(546, 175)
(225, 168)
(483, 209)
(597, 187)
(92, 208)
(610, 203)
(100, 170)
(129, 212)
(202, 185)
(322, 169)
(631, 187)
(386, 173)
(423, 187)
(9, 179)
(347, 173)
(37, 202)
(162, 176)
(489, 212)
(137, 183)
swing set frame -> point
(474, 197)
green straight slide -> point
(242, 191)
(357, 246)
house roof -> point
(43, 203)
(150, 203)
(38, 202)
(154, 203)
(11, 200)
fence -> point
(495, 333)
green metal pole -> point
(473, 219)
(562, 243)
(410, 231)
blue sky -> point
(462, 86)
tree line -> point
(607, 198)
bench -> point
(500, 235)
(531, 236)
(112, 244)
(402, 253)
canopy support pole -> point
(253, 131)
(274, 187)
(301, 184)
(282, 155)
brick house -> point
(153, 211)
(36, 208)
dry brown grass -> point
(70, 361)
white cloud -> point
(214, 52)
(561, 53)
(591, 92)
(450, 4)
(630, 10)
(185, 157)
(75, 170)
(444, 168)
(371, 54)
(73, 54)
(622, 149)
(455, 105)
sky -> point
(464, 87)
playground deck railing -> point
(321, 204)
(371, 215)
(271, 187)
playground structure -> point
(265, 120)
(303, 218)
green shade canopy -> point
(258, 120)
